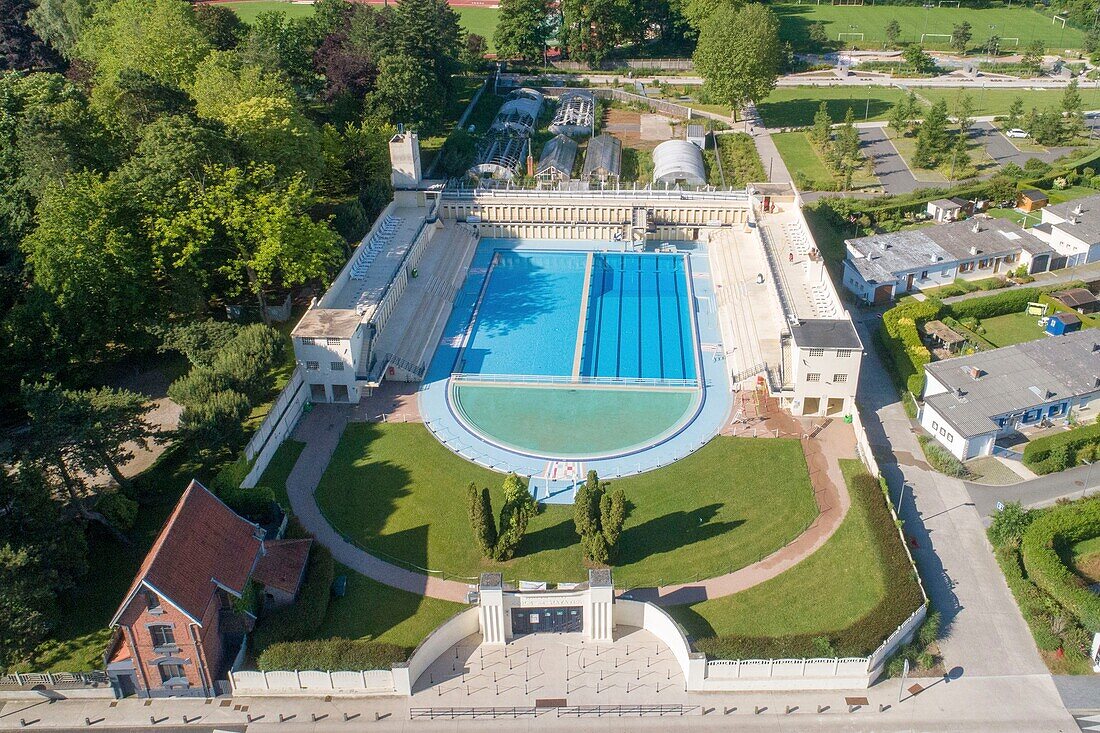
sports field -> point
(870, 20)
(482, 21)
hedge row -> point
(901, 598)
(902, 340)
(1012, 300)
(1029, 598)
(1054, 531)
(1059, 451)
(331, 655)
(304, 617)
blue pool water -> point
(634, 323)
(638, 323)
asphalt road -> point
(889, 166)
(1037, 492)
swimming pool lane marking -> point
(582, 319)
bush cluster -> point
(1062, 450)
(1013, 300)
(330, 655)
(500, 542)
(901, 598)
(301, 619)
(901, 339)
(942, 459)
(598, 517)
(1053, 532)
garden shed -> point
(1079, 299)
(1062, 323)
(1031, 199)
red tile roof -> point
(203, 544)
(282, 564)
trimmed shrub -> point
(1014, 300)
(331, 655)
(901, 598)
(900, 336)
(1057, 452)
(1053, 532)
(942, 459)
(1028, 598)
(304, 617)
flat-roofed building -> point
(972, 400)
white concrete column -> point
(599, 619)
(491, 609)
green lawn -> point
(799, 156)
(1014, 328)
(796, 106)
(399, 493)
(828, 591)
(279, 468)
(997, 101)
(1017, 21)
(482, 21)
(371, 610)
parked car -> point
(1017, 132)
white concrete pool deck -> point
(548, 477)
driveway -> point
(984, 633)
(1001, 149)
(1042, 491)
(891, 170)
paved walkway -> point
(321, 429)
(986, 705)
(983, 633)
(1042, 491)
(1086, 273)
(774, 167)
(890, 167)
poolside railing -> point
(475, 378)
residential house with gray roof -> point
(882, 267)
(970, 401)
(1072, 230)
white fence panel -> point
(282, 680)
(347, 680)
(249, 681)
(380, 680)
(314, 680)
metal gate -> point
(546, 620)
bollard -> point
(22, 722)
(377, 716)
(883, 708)
(758, 709)
(821, 709)
(727, 711)
(87, 721)
(790, 709)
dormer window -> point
(152, 602)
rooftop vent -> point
(959, 392)
(936, 258)
(977, 226)
(1078, 210)
(973, 250)
(1074, 220)
(1095, 347)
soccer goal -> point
(1010, 41)
(950, 3)
(934, 35)
(1056, 18)
(854, 36)
(847, 2)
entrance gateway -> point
(585, 608)
(566, 620)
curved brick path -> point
(321, 429)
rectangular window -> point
(309, 341)
(332, 342)
(813, 377)
(946, 273)
(152, 602)
(935, 425)
(840, 378)
(950, 437)
(312, 366)
(843, 353)
(943, 431)
(817, 352)
(171, 672)
(337, 366)
(162, 635)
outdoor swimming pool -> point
(578, 354)
(594, 317)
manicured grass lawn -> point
(397, 492)
(997, 101)
(907, 148)
(371, 610)
(990, 471)
(871, 20)
(1014, 328)
(799, 155)
(277, 471)
(828, 591)
(482, 21)
(796, 106)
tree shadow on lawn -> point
(670, 532)
(800, 112)
(406, 547)
(555, 537)
(359, 494)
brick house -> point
(181, 625)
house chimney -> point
(975, 372)
(1078, 210)
(977, 226)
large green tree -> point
(591, 29)
(933, 139)
(406, 94)
(522, 29)
(598, 517)
(249, 227)
(738, 55)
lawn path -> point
(321, 429)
